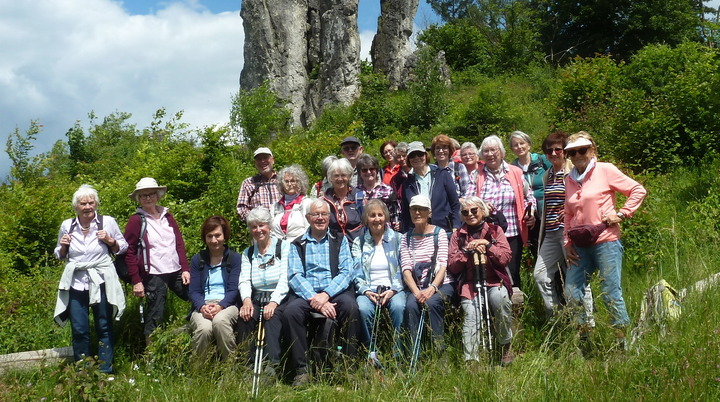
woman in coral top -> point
(590, 191)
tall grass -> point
(669, 238)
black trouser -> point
(273, 328)
(513, 268)
(156, 287)
(295, 318)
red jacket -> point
(137, 266)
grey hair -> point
(402, 147)
(493, 140)
(316, 202)
(368, 161)
(519, 135)
(297, 173)
(259, 215)
(85, 191)
(455, 143)
(343, 165)
(475, 200)
(469, 145)
(326, 162)
(372, 204)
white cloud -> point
(63, 58)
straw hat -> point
(147, 183)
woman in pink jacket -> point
(590, 191)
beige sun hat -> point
(147, 183)
(420, 201)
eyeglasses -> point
(443, 149)
(149, 195)
(490, 151)
(368, 170)
(471, 211)
(389, 152)
(400, 155)
(290, 181)
(416, 155)
(319, 214)
(468, 155)
(551, 151)
(582, 151)
(350, 148)
(270, 262)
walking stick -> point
(421, 325)
(259, 345)
(481, 282)
(372, 355)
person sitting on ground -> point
(264, 273)
(423, 254)
(478, 236)
(289, 212)
(214, 276)
(320, 271)
(89, 279)
(377, 253)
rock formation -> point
(309, 50)
(391, 44)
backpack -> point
(120, 264)
(421, 267)
(660, 305)
(118, 260)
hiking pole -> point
(482, 263)
(480, 319)
(372, 355)
(259, 346)
(416, 344)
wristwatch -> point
(434, 286)
(621, 216)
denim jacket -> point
(363, 249)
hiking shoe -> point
(301, 380)
(507, 355)
(620, 343)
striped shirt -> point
(315, 275)
(422, 249)
(554, 200)
(267, 272)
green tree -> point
(258, 116)
(18, 148)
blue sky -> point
(63, 59)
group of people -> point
(405, 237)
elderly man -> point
(259, 190)
(351, 150)
(320, 270)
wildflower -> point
(131, 381)
(136, 367)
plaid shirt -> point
(315, 276)
(253, 194)
(499, 193)
(463, 185)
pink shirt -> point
(587, 203)
(161, 244)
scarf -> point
(579, 178)
(288, 202)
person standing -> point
(351, 149)
(260, 189)
(89, 279)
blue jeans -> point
(79, 310)
(396, 307)
(607, 259)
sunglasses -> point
(572, 152)
(471, 211)
(551, 151)
(350, 148)
(368, 170)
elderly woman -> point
(550, 267)
(289, 212)
(387, 151)
(370, 188)
(214, 277)
(342, 198)
(590, 191)
(434, 183)
(321, 186)
(156, 257)
(502, 186)
(89, 279)
(477, 236)
(423, 255)
(377, 252)
(263, 280)
(469, 158)
(443, 148)
(534, 167)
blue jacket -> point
(443, 199)
(363, 249)
(199, 266)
